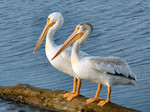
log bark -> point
(54, 101)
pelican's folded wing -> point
(112, 65)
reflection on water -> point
(121, 29)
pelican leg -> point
(103, 102)
(96, 95)
(74, 89)
(77, 92)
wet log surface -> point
(54, 101)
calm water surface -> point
(121, 29)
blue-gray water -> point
(121, 28)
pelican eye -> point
(48, 20)
(77, 29)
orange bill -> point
(43, 35)
(75, 36)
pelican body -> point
(102, 70)
(63, 61)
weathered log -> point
(54, 99)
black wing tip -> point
(119, 74)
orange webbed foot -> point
(93, 99)
(68, 94)
(72, 96)
(103, 102)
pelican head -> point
(81, 33)
(54, 21)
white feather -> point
(112, 65)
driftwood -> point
(54, 99)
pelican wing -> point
(112, 65)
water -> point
(121, 28)
(9, 106)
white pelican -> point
(102, 70)
(63, 62)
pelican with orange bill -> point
(102, 70)
(63, 61)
